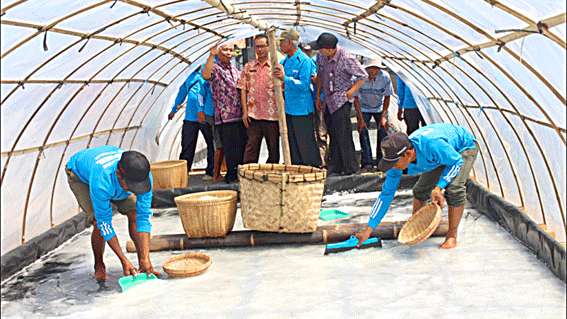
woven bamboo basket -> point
(421, 225)
(207, 214)
(187, 265)
(281, 198)
(169, 174)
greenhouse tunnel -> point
(78, 74)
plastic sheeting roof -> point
(85, 73)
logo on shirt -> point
(105, 229)
(107, 159)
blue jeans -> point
(365, 139)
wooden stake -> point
(279, 97)
(248, 238)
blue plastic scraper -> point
(351, 244)
(128, 282)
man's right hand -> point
(246, 120)
(361, 125)
(363, 235)
(170, 116)
(214, 50)
(201, 117)
(400, 115)
(128, 268)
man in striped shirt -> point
(443, 154)
(106, 176)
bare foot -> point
(450, 242)
(100, 272)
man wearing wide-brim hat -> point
(372, 101)
(443, 155)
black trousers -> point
(303, 148)
(233, 138)
(341, 155)
(189, 135)
(413, 118)
(257, 130)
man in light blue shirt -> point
(199, 112)
(443, 154)
(373, 100)
(407, 108)
(106, 176)
(296, 75)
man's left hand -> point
(437, 197)
(146, 266)
(349, 94)
(384, 122)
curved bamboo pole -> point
(512, 167)
(543, 153)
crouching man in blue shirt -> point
(443, 154)
(106, 175)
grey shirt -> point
(372, 92)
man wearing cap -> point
(259, 108)
(321, 135)
(223, 77)
(372, 101)
(295, 72)
(337, 69)
(106, 176)
(198, 117)
(443, 154)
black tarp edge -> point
(24, 255)
(509, 216)
(520, 226)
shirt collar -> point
(296, 54)
(337, 55)
(224, 65)
(257, 62)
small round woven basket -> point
(207, 214)
(187, 265)
(169, 174)
(421, 225)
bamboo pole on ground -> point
(279, 97)
(247, 238)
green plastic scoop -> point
(128, 282)
(330, 214)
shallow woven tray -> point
(187, 265)
(421, 225)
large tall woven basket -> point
(207, 214)
(281, 198)
(169, 174)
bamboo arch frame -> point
(406, 63)
(90, 137)
(523, 119)
(515, 133)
